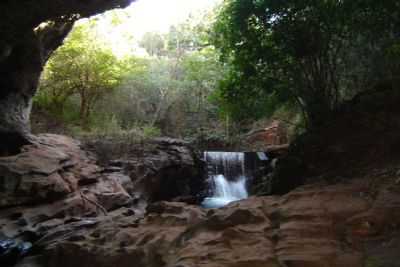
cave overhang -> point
(30, 31)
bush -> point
(150, 132)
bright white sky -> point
(149, 16)
(159, 15)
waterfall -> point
(226, 175)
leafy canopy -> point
(83, 66)
(316, 54)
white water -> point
(224, 191)
(230, 164)
(222, 165)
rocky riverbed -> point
(72, 212)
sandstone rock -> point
(310, 227)
(40, 173)
(51, 182)
(169, 169)
(313, 223)
(317, 225)
(275, 134)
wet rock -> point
(33, 261)
(288, 174)
(11, 251)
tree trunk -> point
(84, 109)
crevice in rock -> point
(11, 144)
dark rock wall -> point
(166, 170)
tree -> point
(170, 89)
(30, 32)
(83, 66)
(307, 52)
(153, 43)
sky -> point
(148, 16)
(159, 15)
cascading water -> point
(226, 175)
(225, 191)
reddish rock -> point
(310, 227)
(318, 225)
(52, 181)
(167, 170)
(274, 134)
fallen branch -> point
(93, 203)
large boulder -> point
(166, 169)
(49, 170)
(52, 182)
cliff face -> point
(30, 31)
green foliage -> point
(167, 92)
(108, 125)
(83, 67)
(151, 131)
(317, 54)
(170, 89)
(153, 43)
(374, 262)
